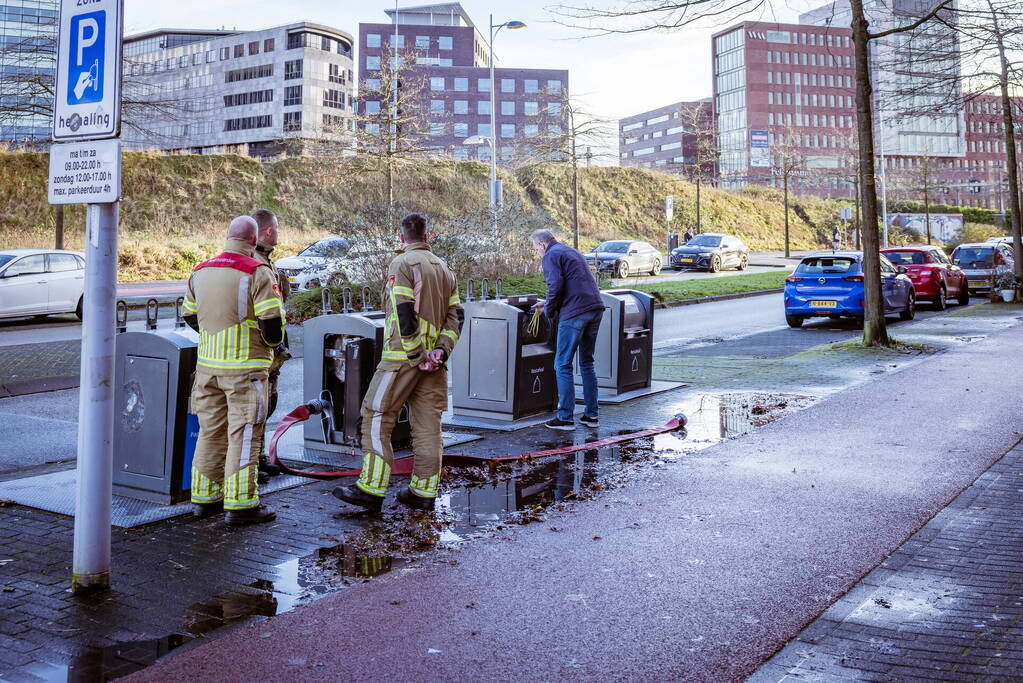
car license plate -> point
(823, 304)
(687, 260)
(293, 280)
(978, 283)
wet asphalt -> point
(699, 573)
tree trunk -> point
(58, 219)
(698, 228)
(927, 213)
(859, 218)
(575, 194)
(785, 191)
(874, 328)
(1010, 148)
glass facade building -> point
(28, 43)
(730, 103)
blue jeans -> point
(578, 333)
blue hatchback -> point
(831, 285)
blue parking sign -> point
(85, 63)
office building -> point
(667, 138)
(28, 50)
(261, 93)
(448, 54)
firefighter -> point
(421, 329)
(269, 229)
(234, 303)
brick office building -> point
(452, 56)
(665, 138)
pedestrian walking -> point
(575, 308)
(266, 241)
(688, 236)
(234, 302)
(422, 307)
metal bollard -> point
(499, 289)
(366, 294)
(121, 315)
(326, 301)
(152, 313)
(179, 319)
(485, 289)
(346, 300)
(471, 285)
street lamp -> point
(495, 188)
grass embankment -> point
(680, 290)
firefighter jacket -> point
(262, 254)
(230, 294)
(422, 306)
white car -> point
(314, 265)
(41, 282)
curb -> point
(719, 297)
(37, 386)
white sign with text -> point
(85, 172)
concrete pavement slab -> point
(699, 573)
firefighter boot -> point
(416, 502)
(353, 495)
(253, 515)
(204, 510)
(266, 469)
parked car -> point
(711, 251)
(982, 261)
(831, 285)
(316, 264)
(935, 278)
(41, 282)
(625, 257)
(1000, 240)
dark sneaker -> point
(562, 425)
(416, 502)
(204, 510)
(266, 468)
(256, 515)
(353, 495)
(590, 421)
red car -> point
(934, 276)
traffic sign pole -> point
(91, 561)
(86, 169)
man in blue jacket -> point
(573, 305)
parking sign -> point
(88, 90)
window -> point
(445, 42)
(436, 83)
(531, 108)
(373, 84)
(770, 77)
(268, 45)
(63, 262)
(461, 106)
(211, 56)
(264, 71)
(372, 63)
(530, 85)
(243, 98)
(507, 109)
(225, 53)
(436, 106)
(483, 130)
(437, 129)
(334, 99)
(396, 41)
(483, 107)
(657, 134)
(507, 130)
(554, 87)
(423, 42)
(507, 85)
(531, 130)
(239, 51)
(643, 151)
(196, 59)
(254, 47)
(30, 265)
(248, 123)
(292, 69)
(292, 120)
(460, 130)
(461, 85)
(483, 85)
(554, 130)
(554, 108)
(372, 128)
(371, 106)
(372, 40)
(292, 95)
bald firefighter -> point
(421, 330)
(234, 302)
(266, 241)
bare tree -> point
(923, 179)
(788, 161)
(649, 15)
(698, 123)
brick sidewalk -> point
(30, 368)
(947, 605)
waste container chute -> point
(341, 354)
(624, 352)
(501, 370)
(154, 433)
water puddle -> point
(109, 663)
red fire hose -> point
(404, 465)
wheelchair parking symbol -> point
(85, 60)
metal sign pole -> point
(91, 561)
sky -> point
(613, 76)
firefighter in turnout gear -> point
(269, 229)
(422, 327)
(234, 302)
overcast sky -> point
(615, 76)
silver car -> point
(41, 282)
(625, 257)
(982, 261)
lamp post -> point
(495, 188)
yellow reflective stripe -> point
(427, 488)
(454, 300)
(451, 334)
(189, 305)
(400, 290)
(415, 343)
(266, 304)
(375, 475)
(394, 355)
(204, 489)
(227, 365)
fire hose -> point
(404, 464)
